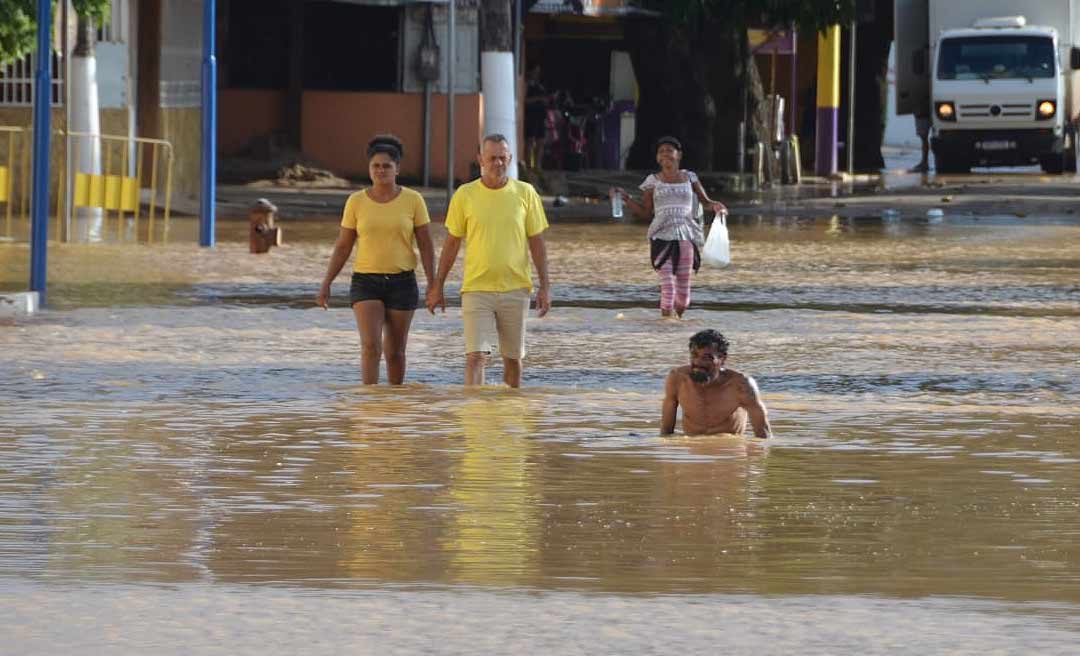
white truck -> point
(997, 78)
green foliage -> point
(96, 9)
(805, 14)
(18, 23)
(17, 28)
(808, 14)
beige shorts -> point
(495, 317)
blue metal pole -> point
(209, 125)
(39, 201)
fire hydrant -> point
(264, 234)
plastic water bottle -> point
(616, 204)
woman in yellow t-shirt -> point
(385, 221)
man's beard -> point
(699, 376)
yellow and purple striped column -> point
(828, 102)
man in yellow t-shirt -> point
(502, 222)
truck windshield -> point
(996, 57)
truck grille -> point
(1022, 110)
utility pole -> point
(209, 126)
(39, 229)
(850, 148)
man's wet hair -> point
(387, 144)
(495, 137)
(670, 141)
(710, 337)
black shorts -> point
(397, 291)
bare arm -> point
(342, 249)
(427, 251)
(642, 210)
(435, 295)
(538, 250)
(714, 205)
(670, 409)
(750, 398)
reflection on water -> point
(540, 490)
(186, 418)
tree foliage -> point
(18, 23)
(804, 14)
(17, 27)
(95, 9)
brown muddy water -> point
(188, 463)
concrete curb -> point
(18, 305)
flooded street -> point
(189, 464)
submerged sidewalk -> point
(586, 195)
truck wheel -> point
(1053, 164)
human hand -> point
(718, 207)
(543, 301)
(323, 296)
(434, 298)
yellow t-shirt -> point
(385, 231)
(496, 225)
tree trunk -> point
(734, 76)
(871, 80)
(680, 70)
(674, 97)
(85, 119)
(497, 76)
(495, 32)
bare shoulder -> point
(744, 383)
(678, 375)
(679, 372)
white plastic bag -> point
(717, 251)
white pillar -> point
(497, 82)
(85, 118)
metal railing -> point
(17, 81)
(15, 146)
(132, 172)
(118, 187)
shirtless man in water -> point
(713, 399)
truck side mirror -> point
(918, 62)
(1074, 58)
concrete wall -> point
(182, 127)
(466, 48)
(338, 125)
(244, 114)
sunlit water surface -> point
(188, 462)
